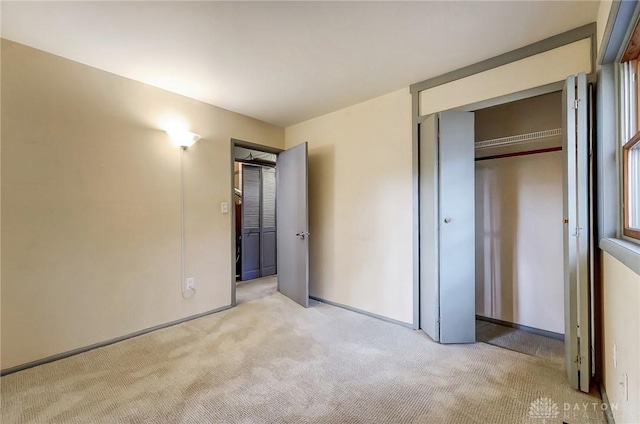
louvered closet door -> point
(251, 176)
(268, 228)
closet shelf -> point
(515, 139)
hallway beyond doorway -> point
(249, 290)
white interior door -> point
(293, 224)
(447, 227)
(576, 232)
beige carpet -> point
(271, 361)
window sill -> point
(625, 251)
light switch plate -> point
(224, 207)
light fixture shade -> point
(183, 138)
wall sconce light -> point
(183, 138)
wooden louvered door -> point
(251, 200)
(259, 240)
(268, 223)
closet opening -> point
(519, 226)
(254, 194)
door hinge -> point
(575, 103)
(578, 360)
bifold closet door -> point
(447, 227)
(268, 221)
(250, 242)
(429, 235)
(457, 228)
(576, 231)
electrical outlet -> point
(625, 386)
(615, 355)
(190, 284)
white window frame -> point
(609, 139)
(627, 94)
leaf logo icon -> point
(543, 408)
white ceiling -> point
(285, 62)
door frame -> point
(509, 98)
(584, 32)
(232, 214)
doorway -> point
(269, 217)
(519, 227)
(255, 213)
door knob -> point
(303, 235)
(447, 220)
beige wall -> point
(535, 71)
(603, 16)
(360, 203)
(519, 266)
(91, 204)
(621, 303)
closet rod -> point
(520, 138)
(525, 153)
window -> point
(630, 139)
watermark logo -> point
(544, 409)
(547, 411)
